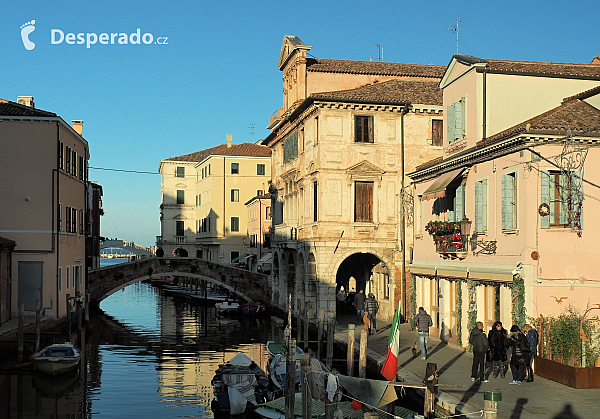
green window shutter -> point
(478, 206)
(459, 203)
(459, 114)
(564, 197)
(450, 123)
(507, 202)
(484, 208)
(545, 222)
(577, 209)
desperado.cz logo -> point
(58, 36)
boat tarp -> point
(242, 383)
(376, 393)
(276, 409)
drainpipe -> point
(259, 230)
(224, 211)
(484, 133)
(57, 238)
(402, 217)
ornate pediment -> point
(290, 44)
(364, 169)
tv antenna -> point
(379, 51)
(455, 29)
(251, 128)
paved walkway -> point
(542, 399)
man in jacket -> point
(480, 347)
(532, 337)
(520, 354)
(359, 304)
(423, 322)
(371, 308)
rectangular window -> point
(61, 152)
(68, 220)
(316, 130)
(437, 132)
(259, 192)
(564, 196)
(267, 240)
(60, 279)
(234, 255)
(73, 220)
(290, 147)
(363, 202)
(363, 129)
(60, 217)
(208, 222)
(80, 167)
(180, 171)
(268, 213)
(235, 168)
(68, 278)
(179, 228)
(68, 160)
(509, 201)
(419, 215)
(481, 206)
(235, 223)
(75, 287)
(209, 170)
(456, 120)
(260, 170)
(235, 195)
(80, 221)
(74, 163)
(180, 197)
(315, 201)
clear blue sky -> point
(218, 73)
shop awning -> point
(237, 259)
(422, 269)
(438, 188)
(266, 258)
(491, 274)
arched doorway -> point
(290, 280)
(311, 288)
(300, 282)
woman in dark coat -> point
(498, 338)
(520, 354)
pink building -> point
(499, 230)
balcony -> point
(452, 240)
(275, 118)
(286, 235)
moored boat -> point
(239, 386)
(227, 307)
(57, 358)
(253, 309)
(277, 373)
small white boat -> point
(57, 358)
(227, 307)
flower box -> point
(574, 377)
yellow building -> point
(44, 206)
(203, 210)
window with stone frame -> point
(363, 129)
(363, 202)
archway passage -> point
(354, 274)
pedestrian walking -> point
(498, 340)
(359, 304)
(519, 354)
(341, 299)
(371, 309)
(532, 338)
(480, 348)
(423, 322)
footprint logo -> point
(26, 29)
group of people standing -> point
(367, 305)
(522, 346)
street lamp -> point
(465, 231)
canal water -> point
(146, 355)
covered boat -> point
(239, 386)
(57, 358)
(277, 373)
(227, 307)
(253, 309)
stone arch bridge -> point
(249, 286)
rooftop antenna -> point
(379, 51)
(455, 29)
(251, 128)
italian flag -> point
(390, 366)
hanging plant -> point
(518, 301)
(413, 302)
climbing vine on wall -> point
(518, 301)
(472, 313)
(460, 312)
(413, 302)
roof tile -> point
(244, 149)
(323, 65)
(8, 108)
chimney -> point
(596, 60)
(78, 126)
(26, 100)
(228, 140)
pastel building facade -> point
(337, 164)
(45, 211)
(203, 208)
(503, 226)
(258, 239)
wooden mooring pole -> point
(490, 404)
(38, 324)
(362, 357)
(350, 354)
(306, 396)
(320, 332)
(330, 338)
(20, 333)
(290, 379)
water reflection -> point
(149, 356)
